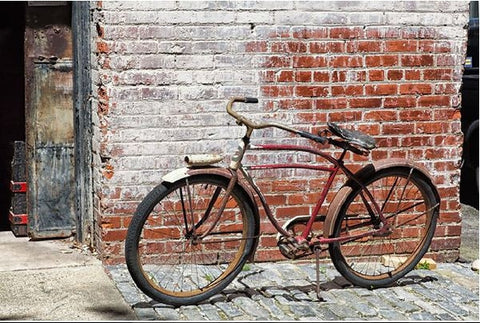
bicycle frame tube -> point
(333, 171)
(244, 145)
(338, 165)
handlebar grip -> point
(251, 100)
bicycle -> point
(192, 234)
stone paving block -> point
(130, 293)
(145, 314)
(167, 314)
(191, 313)
(378, 302)
(446, 297)
(301, 310)
(211, 312)
(229, 309)
(271, 306)
(391, 315)
(430, 307)
(299, 295)
(422, 316)
(251, 308)
(367, 309)
(343, 311)
(427, 292)
(324, 313)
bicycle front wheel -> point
(410, 206)
(168, 254)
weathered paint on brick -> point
(164, 70)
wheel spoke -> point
(173, 261)
(388, 253)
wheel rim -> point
(409, 213)
(173, 259)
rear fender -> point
(363, 175)
(185, 172)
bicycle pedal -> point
(292, 249)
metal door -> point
(49, 119)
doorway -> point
(12, 96)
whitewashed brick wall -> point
(164, 70)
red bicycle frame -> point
(333, 171)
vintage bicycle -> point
(192, 234)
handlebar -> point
(241, 120)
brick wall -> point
(164, 70)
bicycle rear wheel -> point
(411, 207)
(165, 253)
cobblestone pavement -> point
(287, 291)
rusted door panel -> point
(53, 113)
(49, 121)
(52, 180)
(53, 216)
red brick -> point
(380, 115)
(339, 76)
(256, 46)
(415, 88)
(415, 115)
(346, 33)
(394, 75)
(274, 91)
(381, 89)
(102, 47)
(446, 88)
(400, 102)
(309, 61)
(285, 76)
(364, 46)
(417, 60)
(289, 47)
(426, 46)
(412, 74)
(311, 33)
(339, 103)
(345, 116)
(327, 47)
(365, 103)
(398, 129)
(295, 104)
(267, 76)
(321, 76)
(376, 75)
(305, 76)
(416, 141)
(114, 235)
(346, 61)
(437, 74)
(277, 61)
(400, 46)
(311, 91)
(446, 60)
(349, 90)
(434, 101)
(432, 127)
(381, 60)
(311, 117)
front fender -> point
(185, 172)
(363, 175)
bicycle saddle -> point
(352, 136)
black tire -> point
(168, 261)
(411, 210)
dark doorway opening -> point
(12, 96)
